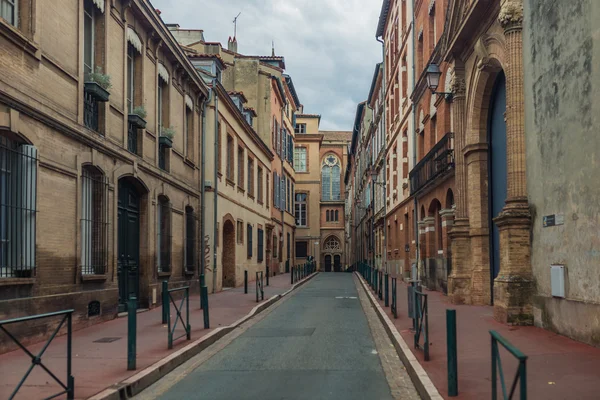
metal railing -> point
(422, 323)
(520, 376)
(438, 161)
(90, 111)
(167, 301)
(259, 286)
(36, 360)
(394, 298)
(132, 138)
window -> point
(188, 127)
(9, 11)
(163, 103)
(301, 209)
(94, 222)
(327, 216)
(288, 203)
(267, 191)
(275, 190)
(219, 150)
(332, 244)
(289, 245)
(230, 158)
(250, 177)
(300, 128)
(260, 185)
(164, 234)
(300, 159)
(131, 58)
(261, 246)
(18, 190)
(301, 249)
(249, 231)
(337, 216)
(240, 232)
(89, 11)
(330, 178)
(283, 193)
(275, 246)
(240, 167)
(190, 240)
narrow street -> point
(317, 344)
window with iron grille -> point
(163, 239)
(240, 167)
(249, 244)
(18, 191)
(259, 195)
(230, 158)
(94, 221)
(250, 177)
(261, 246)
(275, 245)
(190, 240)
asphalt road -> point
(316, 345)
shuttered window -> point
(261, 246)
(249, 243)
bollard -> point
(387, 289)
(165, 300)
(131, 333)
(206, 314)
(452, 353)
(267, 275)
(245, 281)
(292, 276)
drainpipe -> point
(414, 130)
(383, 80)
(216, 193)
(284, 151)
(202, 271)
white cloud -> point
(329, 45)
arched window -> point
(190, 240)
(330, 178)
(94, 221)
(163, 238)
(332, 244)
(18, 191)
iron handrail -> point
(520, 375)
(186, 324)
(259, 286)
(69, 387)
(422, 323)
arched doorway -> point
(328, 263)
(228, 255)
(337, 263)
(128, 240)
(497, 168)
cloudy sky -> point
(329, 45)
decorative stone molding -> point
(511, 14)
(458, 86)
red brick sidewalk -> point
(557, 367)
(97, 366)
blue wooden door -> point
(128, 244)
(497, 167)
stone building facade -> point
(122, 186)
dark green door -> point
(128, 243)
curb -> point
(417, 373)
(136, 383)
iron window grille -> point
(261, 246)
(164, 235)
(190, 239)
(132, 138)
(94, 222)
(18, 195)
(90, 111)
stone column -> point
(459, 281)
(513, 288)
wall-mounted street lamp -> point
(433, 75)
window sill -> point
(260, 202)
(17, 37)
(164, 274)
(229, 182)
(251, 196)
(189, 273)
(189, 163)
(16, 281)
(241, 190)
(93, 277)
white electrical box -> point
(557, 280)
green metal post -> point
(523, 378)
(165, 300)
(131, 333)
(245, 281)
(204, 292)
(387, 289)
(70, 378)
(292, 276)
(187, 313)
(267, 275)
(169, 333)
(452, 353)
(494, 361)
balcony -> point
(437, 163)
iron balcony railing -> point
(438, 162)
(90, 111)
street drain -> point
(107, 340)
(281, 332)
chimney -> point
(232, 44)
(172, 27)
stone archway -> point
(228, 255)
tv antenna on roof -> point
(235, 24)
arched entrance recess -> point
(129, 215)
(228, 255)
